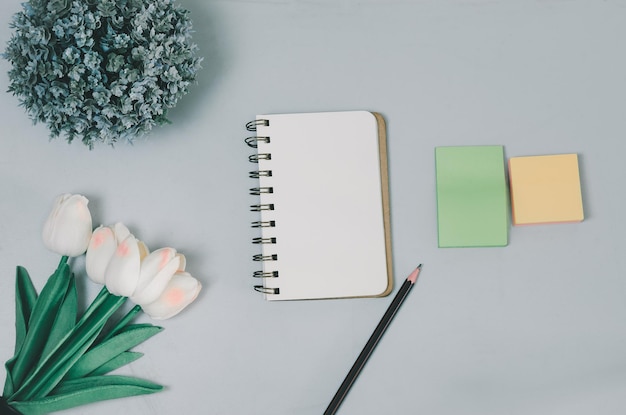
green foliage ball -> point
(101, 70)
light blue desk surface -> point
(537, 327)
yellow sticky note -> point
(545, 189)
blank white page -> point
(330, 201)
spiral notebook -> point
(322, 205)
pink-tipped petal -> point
(99, 252)
(121, 232)
(122, 273)
(156, 271)
(181, 291)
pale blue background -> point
(535, 328)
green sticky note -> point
(472, 196)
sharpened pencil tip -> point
(414, 274)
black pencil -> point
(372, 342)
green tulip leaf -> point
(49, 373)
(25, 298)
(118, 361)
(85, 391)
(125, 340)
(77, 385)
(42, 319)
(8, 383)
(65, 319)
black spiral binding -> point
(253, 141)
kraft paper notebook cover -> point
(472, 196)
(323, 205)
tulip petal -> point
(49, 226)
(183, 263)
(67, 230)
(181, 291)
(121, 232)
(143, 250)
(99, 252)
(122, 273)
(156, 271)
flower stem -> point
(95, 304)
(64, 259)
(122, 323)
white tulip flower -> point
(67, 230)
(155, 281)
